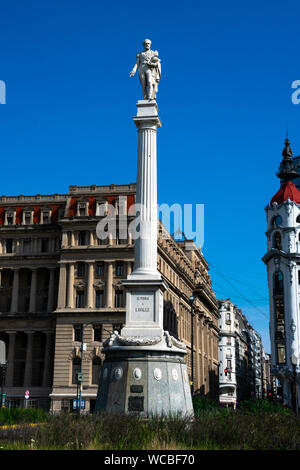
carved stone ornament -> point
(116, 339)
(118, 373)
(175, 375)
(137, 373)
(291, 265)
(293, 328)
(288, 204)
(171, 341)
(157, 373)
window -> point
(278, 283)
(44, 245)
(27, 218)
(10, 218)
(228, 318)
(46, 217)
(119, 268)
(99, 269)
(277, 241)
(77, 332)
(76, 367)
(80, 269)
(277, 220)
(96, 369)
(281, 359)
(82, 238)
(80, 299)
(99, 299)
(97, 332)
(118, 298)
(298, 219)
(279, 319)
(26, 245)
(8, 245)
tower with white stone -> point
(144, 369)
(283, 265)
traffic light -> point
(225, 370)
(79, 377)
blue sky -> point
(224, 101)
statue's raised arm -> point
(149, 67)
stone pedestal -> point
(144, 378)
(144, 370)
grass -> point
(255, 426)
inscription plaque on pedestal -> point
(142, 306)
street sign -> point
(75, 404)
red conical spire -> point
(287, 172)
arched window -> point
(277, 241)
(298, 219)
(276, 221)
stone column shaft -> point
(50, 305)
(71, 286)
(90, 287)
(28, 362)
(108, 285)
(146, 197)
(32, 302)
(47, 357)
(15, 292)
(10, 359)
(62, 286)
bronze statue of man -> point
(148, 64)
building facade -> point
(240, 355)
(283, 266)
(62, 296)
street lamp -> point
(192, 344)
(294, 361)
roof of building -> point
(287, 191)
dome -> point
(287, 191)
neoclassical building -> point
(61, 294)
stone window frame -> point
(26, 211)
(46, 210)
(101, 202)
(10, 212)
(82, 203)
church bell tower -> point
(283, 265)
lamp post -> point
(3, 367)
(294, 361)
(192, 344)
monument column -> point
(144, 369)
